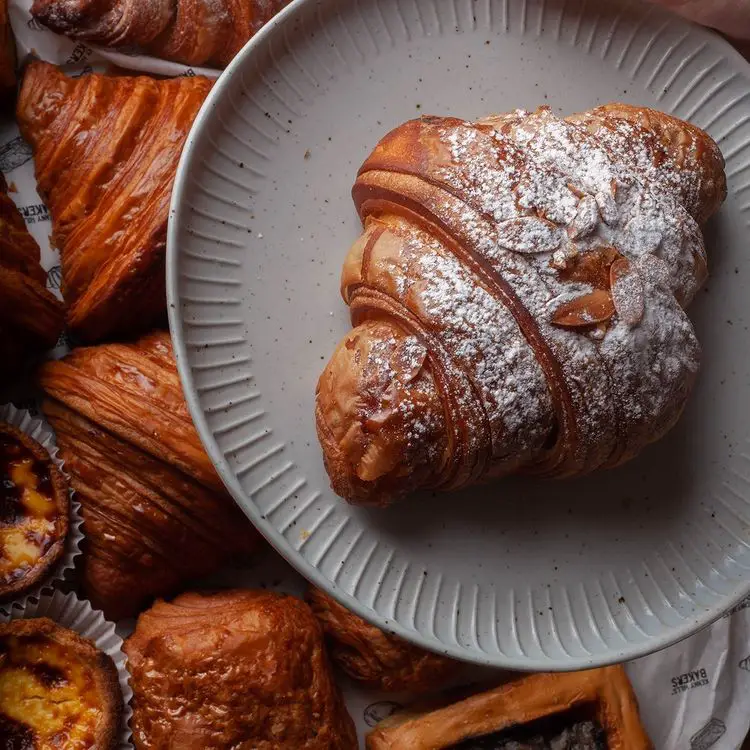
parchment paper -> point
(693, 696)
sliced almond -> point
(528, 234)
(586, 219)
(586, 310)
(607, 208)
(591, 267)
(627, 291)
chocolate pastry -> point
(155, 512)
(105, 151)
(593, 710)
(517, 298)
(57, 690)
(31, 317)
(234, 669)
(380, 661)
(34, 512)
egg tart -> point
(57, 690)
(34, 508)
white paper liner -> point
(38, 429)
(78, 615)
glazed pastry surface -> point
(234, 669)
(106, 150)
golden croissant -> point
(155, 512)
(517, 298)
(194, 32)
(105, 151)
(31, 317)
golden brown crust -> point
(154, 510)
(7, 53)
(193, 32)
(43, 522)
(605, 695)
(32, 317)
(516, 294)
(234, 669)
(380, 661)
(106, 151)
(73, 664)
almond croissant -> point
(194, 32)
(154, 510)
(106, 150)
(31, 317)
(517, 298)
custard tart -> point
(34, 508)
(57, 690)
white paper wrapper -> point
(692, 696)
(78, 615)
(38, 429)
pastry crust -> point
(34, 513)
(193, 32)
(603, 695)
(106, 150)
(380, 661)
(74, 686)
(517, 298)
(31, 317)
(234, 669)
(154, 510)
(7, 53)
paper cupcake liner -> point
(37, 429)
(78, 615)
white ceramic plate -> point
(522, 574)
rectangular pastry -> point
(593, 710)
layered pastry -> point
(374, 658)
(594, 710)
(155, 512)
(57, 690)
(7, 53)
(518, 298)
(234, 669)
(34, 513)
(31, 317)
(194, 32)
(106, 150)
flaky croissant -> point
(154, 510)
(31, 317)
(105, 151)
(234, 669)
(374, 658)
(517, 297)
(194, 32)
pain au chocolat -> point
(34, 513)
(376, 659)
(518, 298)
(106, 150)
(234, 669)
(593, 710)
(155, 512)
(31, 317)
(57, 690)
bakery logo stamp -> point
(376, 712)
(84, 71)
(81, 53)
(188, 73)
(744, 604)
(54, 277)
(14, 154)
(36, 213)
(709, 735)
(689, 680)
(745, 664)
(35, 25)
